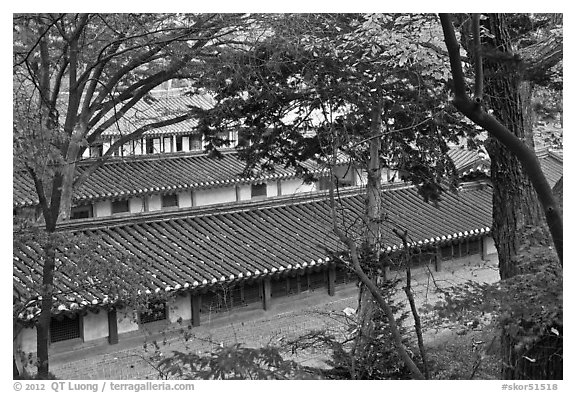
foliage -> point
(528, 306)
(313, 75)
(233, 362)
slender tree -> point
(75, 76)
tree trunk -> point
(43, 324)
(515, 208)
(68, 172)
(371, 249)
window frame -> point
(77, 335)
(96, 150)
(163, 199)
(148, 317)
(82, 209)
(258, 188)
(116, 202)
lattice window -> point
(459, 250)
(170, 200)
(64, 328)
(83, 211)
(214, 302)
(279, 288)
(258, 190)
(236, 296)
(317, 280)
(252, 293)
(343, 276)
(474, 247)
(446, 252)
(292, 285)
(304, 284)
(156, 312)
(120, 206)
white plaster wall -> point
(215, 195)
(156, 145)
(139, 146)
(390, 175)
(27, 340)
(102, 209)
(105, 147)
(127, 149)
(488, 248)
(245, 192)
(344, 172)
(361, 177)
(167, 144)
(295, 186)
(126, 321)
(135, 205)
(180, 308)
(185, 143)
(95, 325)
(154, 202)
(271, 189)
(185, 199)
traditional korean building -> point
(253, 255)
(217, 241)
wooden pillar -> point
(112, 326)
(279, 186)
(331, 280)
(438, 260)
(237, 193)
(266, 292)
(195, 301)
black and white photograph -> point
(329, 196)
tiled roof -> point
(552, 164)
(158, 109)
(201, 247)
(469, 161)
(120, 178)
(140, 175)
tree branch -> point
(479, 72)
(408, 290)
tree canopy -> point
(327, 74)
